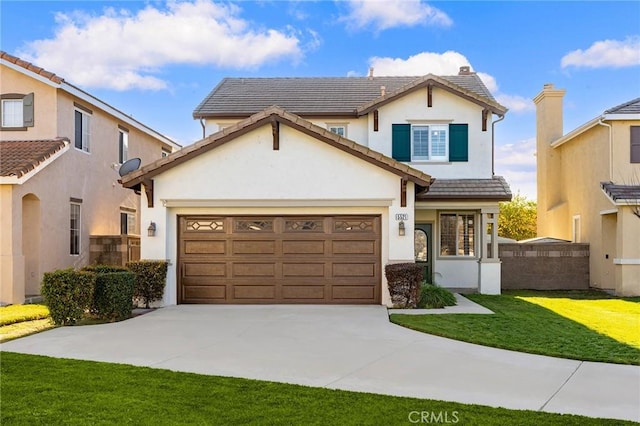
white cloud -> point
(447, 63)
(119, 50)
(517, 163)
(385, 14)
(605, 54)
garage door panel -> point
(303, 247)
(254, 292)
(253, 269)
(354, 270)
(204, 247)
(204, 269)
(279, 259)
(254, 247)
(195, 292)
(316, 292)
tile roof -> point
(631, 107)
(18, 158)
(29, 66)
(621, 193)
(314, 95)
(265, 117)
(495, 189)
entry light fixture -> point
(401, 228)
(151, 230)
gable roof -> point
(58, 82)
(328, 96)
(270, 115)
(495, 189)
(631, 107)
(18, 158)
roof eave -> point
(22, 178)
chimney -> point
(465, 70)
(383, 90)
(370, 73)
(548, 159)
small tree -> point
(517, 218)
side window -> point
(123, 146)
(127, 223)
(16, 111)
(82, 130)
(338, 129)
(635, 144)
(74, 229)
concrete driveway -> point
(345, 347)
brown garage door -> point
(283, 259)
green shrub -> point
(150, 279)
(113, 296)
(404, 281)
(433, 296)
(105, 269)
(68, 294)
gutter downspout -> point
(493, 144)
(203, 128)
(601, 123)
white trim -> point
(609, 211)
(363, 202)
(576, 229)
(457, 205)
(592, 123)
(13, 180)
(619, 261)
(22, 70)
(622, 117)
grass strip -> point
(40, 390)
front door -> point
(422, 248)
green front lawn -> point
(527, 326)
(39, 390)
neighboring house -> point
(589, 188)
(303, 189)
(60, 152)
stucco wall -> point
(246, 176)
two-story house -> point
(303, 189)
(589, 187)
(60, 152)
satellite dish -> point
(129, 166)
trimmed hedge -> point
(404, 281)
(68, 294)
(113, 296)
(105, 269)
(150, 279)
(435, 297)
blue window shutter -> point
(401, 142)
(458, 142)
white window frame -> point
(576, 236)
(86, 130)
(337, 127)
(429, 128)
(17, 117)
(123, 146)
(454, 253)
(131, 222)
(75, 231)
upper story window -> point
(457, 234)
(123, 146)
(635, 144)
(430, 142)
(82, 129)
(16, 111)
(338, 129)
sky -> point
(157, 60)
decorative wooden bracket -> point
(148, 190)
(429, 95)
(403, 192)
(275, 130)
(485, 116)
(375, 120)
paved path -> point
(345, 347)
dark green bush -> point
(404, 281)
(68, 294)
(433, 296)
(113, 296)
(150, 279)
(105, 269)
